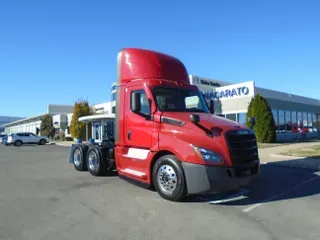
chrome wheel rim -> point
(77, 157)
(93, 161)
(167, 179)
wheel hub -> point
(93, 161)
(77, 157)
(167, 179)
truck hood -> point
(208, 121)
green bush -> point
(69, 138)
(78, 129)
(265, 127)
(46, 127)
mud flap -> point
(70, 160)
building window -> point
(299, 119)
(310, 121)
(113, 96)
(275, 117)
(113, 109)
(232, 116)
(282, 126)
(294, 122)
(96, 130)
(241, 118)
(107, 129)
(288, 121)
(305, 119)
(314, 122)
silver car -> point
(17, 139)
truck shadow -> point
(278, 181)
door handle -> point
(129, 135)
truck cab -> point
(167, 137)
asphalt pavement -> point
(43, 197)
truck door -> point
(137, 132)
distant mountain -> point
(8, 119)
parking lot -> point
(43, 197)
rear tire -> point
(17, 143)
(95, 162)
(168, 178)
(79, 152)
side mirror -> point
(211, 106)
(135, 102)
(252, 121)
(195, 118)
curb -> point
(299, 163)
(285, 156)
(62, 145)
(299, 166)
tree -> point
(46, 127)
(265, 127)
(78, 129)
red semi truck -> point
(166, 136)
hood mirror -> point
(211, 106)
(195, 118)
(252, 122)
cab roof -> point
(136, 63)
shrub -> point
(62, 136)
(46, 127)
(57, 137)
(77, 129)
(69, 138)
(265, 127)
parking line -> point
(234, 197)
(248, 209)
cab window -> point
(144, 101)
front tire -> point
(17, 143)
(42, 142)
(168, 178)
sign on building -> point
(234, 91)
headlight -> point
(207, 155)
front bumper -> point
(209, 179)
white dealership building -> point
(293, 114)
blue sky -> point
(61, 50)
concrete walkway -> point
(271, 155)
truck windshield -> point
(179, 100)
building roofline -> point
(293, 96)
(90, 118)
(23, 120)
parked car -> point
(17, 139)
(3, 138)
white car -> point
(17, 139)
